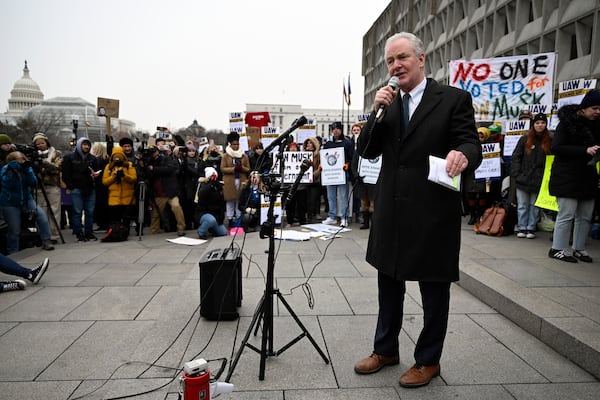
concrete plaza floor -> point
(119, 319)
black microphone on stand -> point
(303, 168)
(298, 122)
(393, 83)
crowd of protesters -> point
(95, 189)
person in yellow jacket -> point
(120, 177)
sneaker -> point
(81, 237)
(329, 221)
(180, 233)
(37, 273)
(344, 223)
(17, 284)
(530, 235)
(521, 234)
(582, 255)
(91, 236)
(563, 255)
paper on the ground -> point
(438, 174)
(331, 229)
(187, 241)
(282, 234)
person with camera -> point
(250, 201)
(18, 181)
(210, 205)
(47, 166)
(162, 172)
(211, 157)
(79, 170)
(190, 166)
(119, 177)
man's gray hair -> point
(417, 44)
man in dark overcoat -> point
(415, 232)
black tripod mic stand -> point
(264, 310)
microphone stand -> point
(264, 310)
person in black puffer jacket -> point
(528, 162)
(574, 179)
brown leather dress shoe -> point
(374, 363)
(419, 375)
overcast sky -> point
(170, 62)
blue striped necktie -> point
(405, 110)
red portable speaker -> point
(196, 387)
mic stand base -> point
(264, 313)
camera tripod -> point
(49, 207)
(264, 310)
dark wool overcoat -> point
(415, 232)
(571, 177)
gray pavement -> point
(116, 319)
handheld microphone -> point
(303, 168)
(297, 123)
(393, 83)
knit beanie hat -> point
(591, 98)
(5, 139)
(484, 131)
(540, 117)
(125, 140)
(40, 135)
(209, 172)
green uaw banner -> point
(545, 199)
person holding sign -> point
(574, 180)
(416, 224)
(527, 168)
(339, 191)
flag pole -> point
(349, 102)
(343, 102)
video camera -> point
(32, 154)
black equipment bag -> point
(220, 284)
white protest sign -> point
(236, 122)
(292, 160)
(514, 130)
(573, 91)
(503, 86)
(306, 131)
(369, 169)
(264, 208)
(267, 135)
(490, 165)
(332, 164)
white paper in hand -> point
(438, 174)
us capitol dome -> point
(25, 94)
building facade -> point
(474, 29)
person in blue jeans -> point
(210, 205)
(339, 192)
(18, 181)
(11, 267)
(79, 169)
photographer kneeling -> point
(210, 205)
(18, 180)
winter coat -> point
(571, 177)
(51, 160)
(165, 168)
(528, 169)
(210, 200)
(316, 159)
(17, 182)
(416, 225)
(228, 171)
(191, 172)
(121, 190)
(76, 169)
